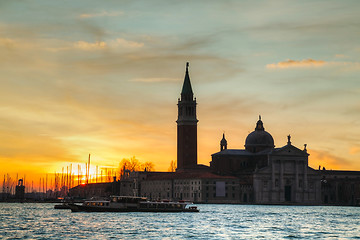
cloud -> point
(7, 42)
(311, 63)
(354, 150)
(297, 63)
(90, 46)
(98, 45)
(341, 56)
(101, 14)
(126, 43)
(328, 160)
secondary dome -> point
(259, 139)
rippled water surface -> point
(42, 221)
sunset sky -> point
(103, 77)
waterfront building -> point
(204, 187)
(340, 187)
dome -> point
(259, 139)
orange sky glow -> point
(104, 79)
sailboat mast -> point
(88, 170)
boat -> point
(62, 206)
(64, 203)
(132, 204)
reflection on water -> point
(41, 221)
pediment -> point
(289, 150)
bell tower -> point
(223, 143)
(186, 127)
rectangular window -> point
(220, 189)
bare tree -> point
(149, 166)
(172, 166)
(133, 164)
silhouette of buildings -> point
(258, 174)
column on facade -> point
(272, 175)
(296, 179)
(296, 176)
(281, 175)
(281, 192)
(305, 176)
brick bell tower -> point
(186, 127)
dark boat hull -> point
(61, 206)
(81, 208)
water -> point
(42, 221)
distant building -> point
(203, 187)
(93, 190)
(340, 187)
(20, 190)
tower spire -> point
(223, 143)
(187, 92)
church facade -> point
(278, 175)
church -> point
(258, 174)
(278, 175)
